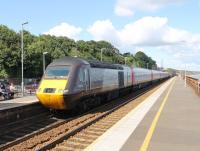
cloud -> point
(104, 30)
(154, 33)
(181, 55)
(65, 30)
(147, 31)
(122, 11)
(128, 7)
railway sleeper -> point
(108, 121)
(97, 129)
(74, 144)
(86, 132)
(77, 143)
(81, 140)
(113, 119)
(85, 136)
(104, 126)
(93, 132)
(65, 148)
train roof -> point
(98, 64)
(77, 61)
(68, 61)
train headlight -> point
(65, 91)
(60, 91)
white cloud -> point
(104, 30)
(65, 30)
(147, 31)
(181, 55)
(153, 32)
(121, 11)
(128, 7)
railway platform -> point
(17, 102)
(166, 120)
(19, 108)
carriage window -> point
(80, 81)
(81, 76)
(57, 72)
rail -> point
(65, 136)
(47, 138)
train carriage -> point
(73, 82)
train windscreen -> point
(57, 72)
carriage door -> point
(121, 79)
(86, 78)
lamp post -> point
(138, 64)
(102, 54)
(22, 57)
(102, 49)
(125, 60)
(44, 53)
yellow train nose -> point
(54, 101)
(50, 93)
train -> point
(74, 83)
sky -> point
(166, 30)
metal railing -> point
(194, 83)
(30, 85)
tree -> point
(56, 48)
(10, 51)
(34, 46)
(143, 60)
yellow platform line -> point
(151, 130)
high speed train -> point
(70, 83)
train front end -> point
(53, 86)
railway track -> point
(16, 132)
(84, 135)
(82, 126)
